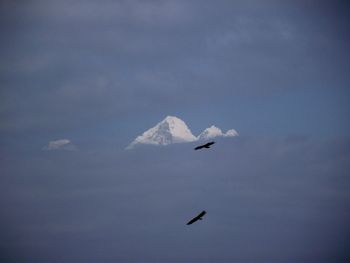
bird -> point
(207, 146)
(198, 217)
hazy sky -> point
(94, 74)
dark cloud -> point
(267, 200)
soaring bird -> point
(199, 217)
(207, 146)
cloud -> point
(252, 188)
(62, 144)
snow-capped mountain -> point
(231, 133)
(168, 131)
(209, 133)
(174, 130)
(214, 131)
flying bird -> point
(199, 217)
(207, 146)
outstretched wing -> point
(198, 217)
(199, 147)
(201, 214)
(207, 145)
(192, 221)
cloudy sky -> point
(81, 79)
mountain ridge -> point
(174, 130)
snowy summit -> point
(168, 131)
(174, 130)
(214, 131)
(209, 133)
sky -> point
(79, 80)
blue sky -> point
(99, 74)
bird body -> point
(207, 146)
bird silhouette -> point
(198, 217)
(206, 146)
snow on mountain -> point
(168, 131)
(231, 133)
(174, 130)
(209, 133)
(214, 131)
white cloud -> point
(62, 144)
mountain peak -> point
(209, 133)
(174, 130)
(172, 118)
(168, 131)
(231, 133)
(214, 131)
